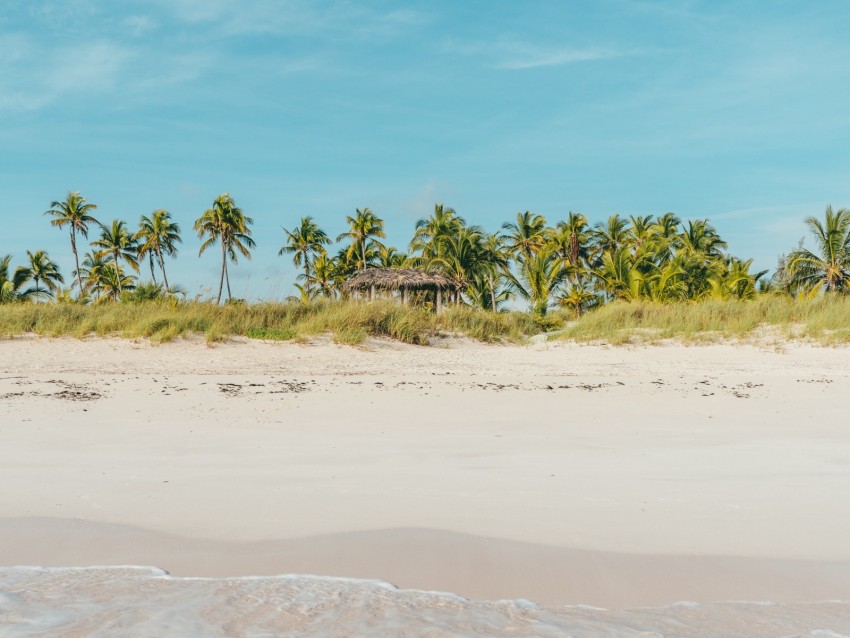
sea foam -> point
(145, 602)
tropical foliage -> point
(225, 223)
(570, 263)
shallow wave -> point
(145, 602)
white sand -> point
(648, 474)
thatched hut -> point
(403, 280)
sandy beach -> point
(559, 473)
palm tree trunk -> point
(117, 274)
(492, 293)
(227, 281)
(363, 252)
(162, 268)
(76, 259)
(223, 266)
(37, 291)
(150, 263)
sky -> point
(736, 111)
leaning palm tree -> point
(116, 241)
(305, 243)
(158, 236)
(226, 224)
(829, 267)
(39, 269)
(73, 212)
(364, 226)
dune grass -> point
(349, 322)
(825, 320)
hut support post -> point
(372, 293)
(404, 295)
(439, 295)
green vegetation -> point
(348, 321)
(825, 320)
(641, 278)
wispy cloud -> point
(33, 79)
(512, 55)
(532, 58)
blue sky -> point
(735, 111)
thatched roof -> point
(399, 278)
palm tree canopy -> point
(116, 241)
(73, 211)
(306, 238)
(526, 236)
(158, 234)
(227, 223)
(829, 267)
(363, 227)
(40, 270)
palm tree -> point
(91, 273)
(158, 236)
(620, 276)
(736, 281)
(326, 277)
(112, 282)
(700, 237)
(612, 235)
(460, 258)
(116, 242)
(390, 257)
(495, 263)
(527, 236)
(538, 279)
(9, 285)
(829, 267)
(571, 241)
(226, 224)
(305, 242)
(39, 268)
(363, 227)
(432, 232)
(578, 298)
(75, 213)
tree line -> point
(571, 263)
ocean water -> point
(145, 602)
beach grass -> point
(350, 322)
(825, 320)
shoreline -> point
(598, 463)
(476, 568)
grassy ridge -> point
(349, 322)
(825, 320)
